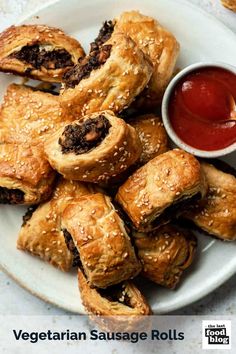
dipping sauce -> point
(202, 109)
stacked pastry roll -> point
(27, 118)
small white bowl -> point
(165, 115)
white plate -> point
(202, 38)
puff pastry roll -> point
(25, 175)
(161, 188)
(152, 135)
(38, 51)
(110, 77)
(161, 47)
(216, 213)
(94, 149)
(165, 253)
(28, 116)
(229, 4)
(41, 233)
(98, 233)
(119, 300)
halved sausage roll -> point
(25, 175)
(38, 51)
(110, 77)
(27, 117)
(160, 189)
(118, 300)
(94, 149)
(216, 213)
(41, 233)
(99, 235)
(165, 253)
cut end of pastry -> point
(11, 196)
(72, 248)
(93, 61)
(119, 300)
(81, 137)
(38, 51)
(104, 34)
(94, 149)
(28, 215)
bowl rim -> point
(165, 115)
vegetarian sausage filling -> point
(11, 196)
(71, 247)
(81, 138)
(83, 69)
(173, 210)
(103, 36)
(28, 214)
(116, 293)
(38, 56)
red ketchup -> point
(202, 110)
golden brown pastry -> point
(38, 51)
(25, 175)
(119, 300)
(27, 116)
(152, 135)
(41, 233)
(110, 77)
(161, 47)
(229, 4)
(216, 213)
(165, 253)
(99, 235)
(161, 188)
(95, 149)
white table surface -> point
(15, 300)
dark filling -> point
(11, 196)
(103, 36)
(53, 59)
(116, 293)
(81, 138)
(71, 247)
(28, 214)
(174, 210)
(82, 70)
